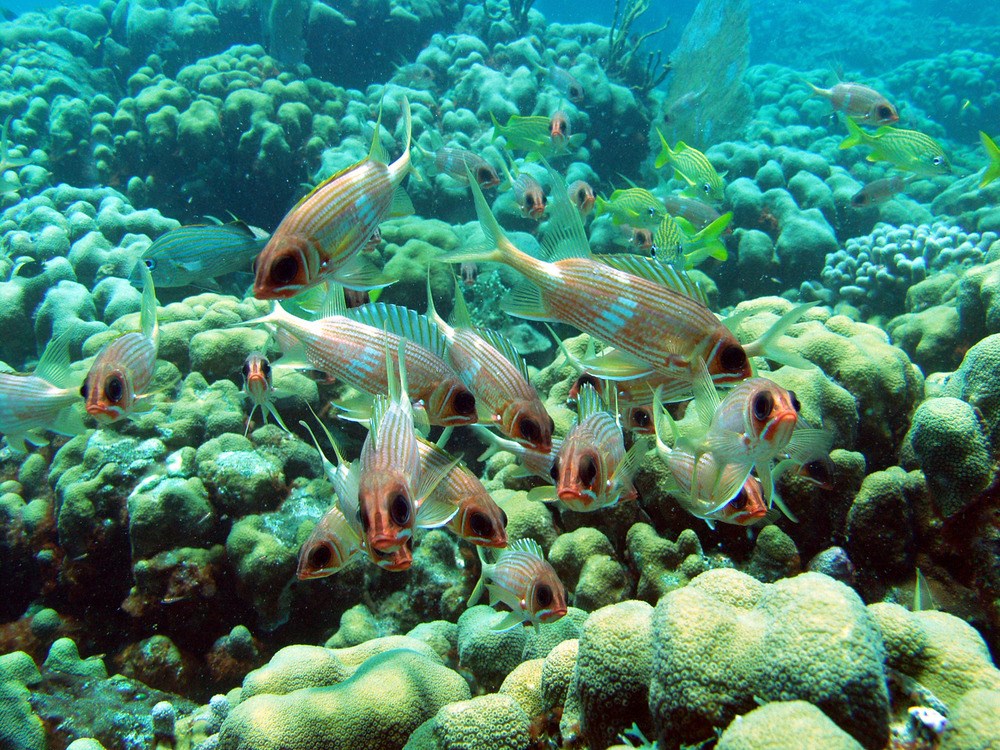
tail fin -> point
(993, 151)
(477, 592)
(665, 152)
(768, 346)
(501, 248)
(855, 135)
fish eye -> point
(481, 525)
(576, 93)
(284, 270)
(543, 595)
(938, 161)
(529, 429)
(114, 389)
(733, 358)
(399, 510)
(503, 518)
(884, 112)
(84, 390)
(150, 263)
(365, 523)
(707, 188)
(265, 367)
(795, 401)
(246, 369)
(554, 471)
(465, 403)
(320, 556)
(483, 175)
(588, 471)
(740, 501)
(641, 418)
(763, 405)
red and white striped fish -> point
(322, 236)
(493, 370)
(648, 321)
(532, 463)
(459, 163)
(581, 194)
(522, 579)
(593, 469)
(332, 544)
(43, 400)
(349, 345)
(258, 385)
(559, 127)
(124, 368)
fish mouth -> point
(105, 414)
(387, 544)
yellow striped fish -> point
(44, 400)
(322, 236)
(692, 166)
(124, 367)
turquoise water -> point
(698, 375)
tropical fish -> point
(469, 272)
(458, 163)
(559, 127)
(122, 370)
(662, 327)
(43, 400)
(684, 103)
(993, 152)
(692, 166)
(522, 579)
(634, 206)
(699, 213)
(532, 463)
(479, 519)
(593, 469)
(414, 75)
(391, 483)
(257, 384)
(528, 193)
(333, 543)
(860, 103)
(349, 345)
(566, 83)
(878, 191)
(581, 194)
(196, 253)
(523, 133)
(688, 248)
(747, 508)
(9, 183)
(322, 236)
(909, 150)
(493, 370)
(638, 239)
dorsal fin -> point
(528, 545)
(380, 404)
(706, 397)
(54, 364)
(402, 321)
(654, 270)
(377, 152)
(588, 402)
(460, 313)
(506, 347)
(334, 301)
(565, 236)
(147, 313)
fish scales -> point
(516, 570)
(28, 402)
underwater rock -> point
(490, 722)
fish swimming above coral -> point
(324, 233)
(524, 580)
(634, 206)
(258, 386)
(861, 103)
(533, 134)
(909, 150)
(878, 191)
(198, 253)
(693, 167)
(123, 369)
(528, 194)
(457, 163)
(45, 400)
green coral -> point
(790, 725)
(662, 565)
(974, 722)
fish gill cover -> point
(633, 380)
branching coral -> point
(624, 47)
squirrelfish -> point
(559, 127)
(528, 193)
(258, 385)
(479, 519)
(458, 163)
(593, 470)
(660, 326)
(123, 369)
(493, 370)
(581, 194)
(861, 103)
(333, 543)
(684, 103)
(43, 400)
(566, 83)
(909, 150)
(522, 579)
(414, 75)
(692, 166)
(532, 463)
(699, 213)
(878, 191)
(993, 152)
(634, 206)
(196, 253)
(349, 345)
(322, 236)
(637, 239)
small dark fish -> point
(878, 191)
(582, 196)
(458, 163)
(567, 84)
(199, 252)
(699, 213)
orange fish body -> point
(582, 196)
(754, 422)
(559, 127)
(859, 102)
(322, 234)
(522, 579)
(332, 544)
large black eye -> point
(265, 367)
(588, 471)
(365, 523)
(481, 525)
(246, 369)
(529, 429)
(114, 389)
(483, 175)
(554, 471)
(576, 93)
(84, 390)
(763, 405)
(543, 595)
(859, 200)
(150, 263)
(641, 418)
(284, 270)
(399, 510)
(938, 161)
(740, 501)
(795, 401)
(465, 403)
(733, 358)
(884, 112)
(581, 195)
(503, 518)
(707, 188)
(320, 556)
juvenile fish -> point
(528, 193)
(43, 400)
(878, 191)
(692, 166)
(559, 127)
(258, 385)
(492, 369)
(458, 163)
(322, 236)
(123, 369)
(522, 579)
(909, 150)
(332, 544)
(581, 194)
(567, 84)
(414, 75)
(196, 253)
(861, 103)
(993, 152)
